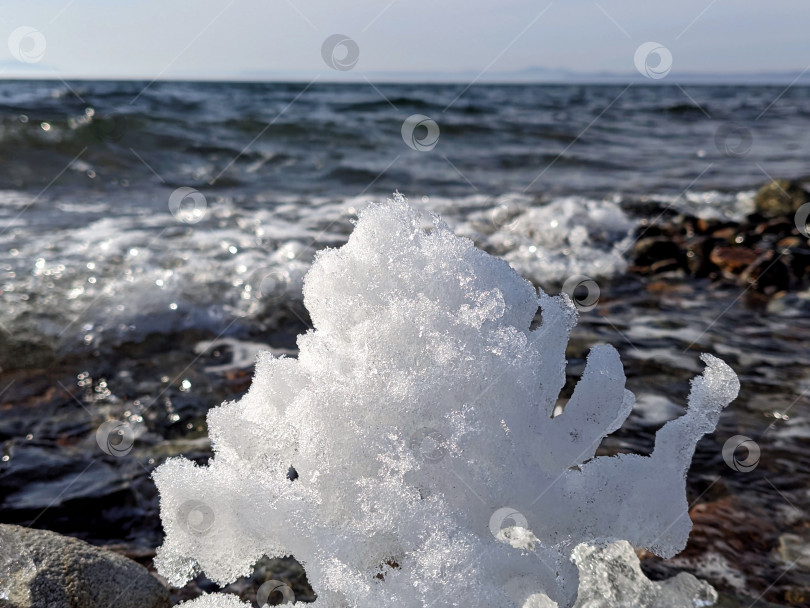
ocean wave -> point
(121, 277)
(555, 240)
(172, 131)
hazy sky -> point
(238, 38)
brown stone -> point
(768, 274)
(733, 259)
(788, 242)
(652, 250)
(727, 234)
(778, 226)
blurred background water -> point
(153, 238)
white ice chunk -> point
(611, 577)
(217, 600)
(409, 456)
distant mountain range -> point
(10, 70)
(543, 75)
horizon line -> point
(713, 79)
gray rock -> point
(43, 569)
(780, 198)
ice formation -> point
(611, 577)
(409, 456)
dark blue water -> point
(110, 298)
(346, 139)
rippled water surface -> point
(117, 305)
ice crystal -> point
(410, 456)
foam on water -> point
(710, 204)
(125, 273)
(418, 422)
(551, 242)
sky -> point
(268, 39)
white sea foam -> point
(711, 204)
(135, 273)
(551, 242)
